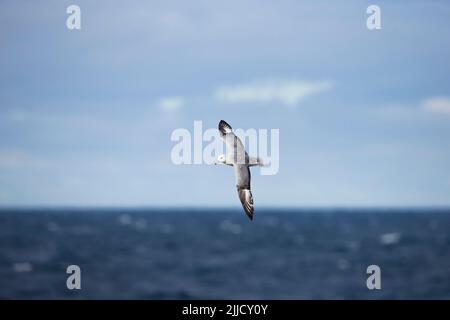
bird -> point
(238, 158)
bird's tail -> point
(256, 161)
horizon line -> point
(192, 207)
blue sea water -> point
(219, 254)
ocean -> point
(220, 254)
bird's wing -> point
(243, 178)
(235, 148)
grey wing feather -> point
(243, 178)
(245, 195)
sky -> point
(86, 116)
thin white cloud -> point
(170, 103)
(437, 105)
(288, 92)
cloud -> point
(170, 103)
(437, 105)
(288, 92)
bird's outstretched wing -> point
(240, 160)
(243, 178)
(235, 148)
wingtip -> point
(224, 126)
(249, 211)
(246, 198)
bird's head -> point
(221, 159)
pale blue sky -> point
(81, 120)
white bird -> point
(238, 158)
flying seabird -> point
(237, 157)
